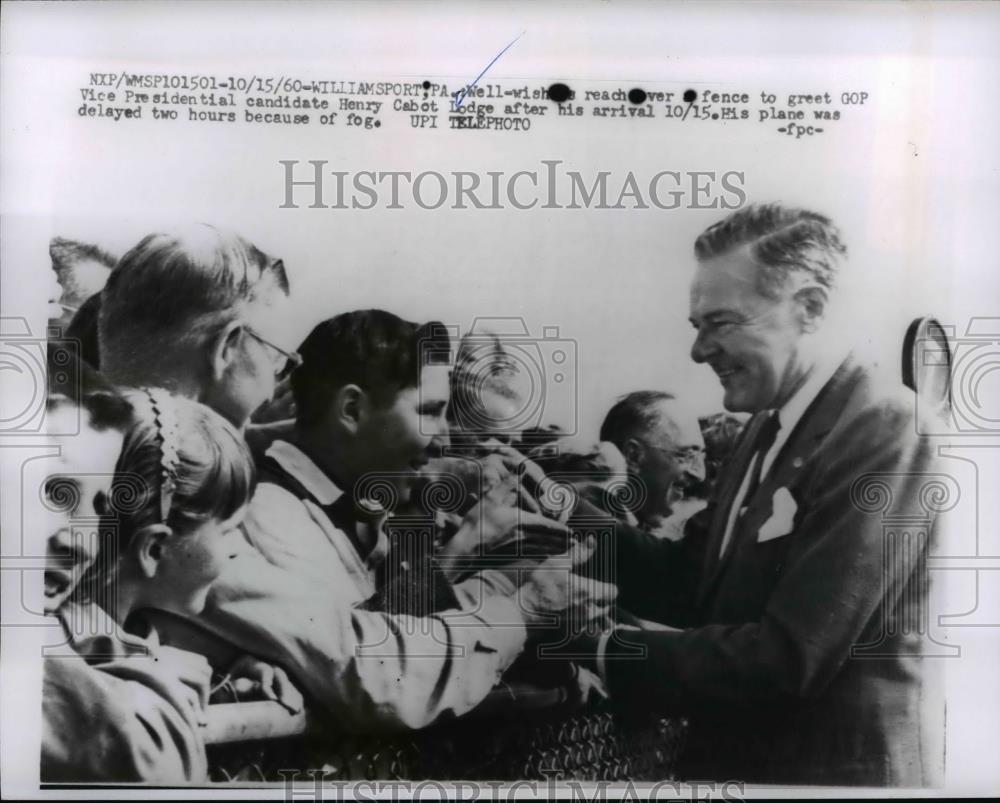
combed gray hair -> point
(633, 415)
(782, 241)
(171, 285)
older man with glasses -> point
(663, 448)
(197, 310)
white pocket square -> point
(783, 509)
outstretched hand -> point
(559, 604)
(250, 674)
(494, 524)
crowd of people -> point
(361, 525)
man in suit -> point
(799, 654)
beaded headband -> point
(167, 432)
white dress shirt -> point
(789, 415)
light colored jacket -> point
(293, 600)
(116, 709)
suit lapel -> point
(818, 419)
(729, 485)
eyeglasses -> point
(290, 359)
(692, 456)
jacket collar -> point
(304, 471)
(821, 412)
(795, 408)
(94, 634)
(817, 419)
(366, 532)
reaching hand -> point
(558, 604)
(249, 673)
(537, 492)
(494, 524)
(280, 407)
(180, 676)
(587, 687)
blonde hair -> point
(192, 470)
(178, 287)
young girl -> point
(182, 484)
(122, 707)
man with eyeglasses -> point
(197, 310)
(663, 448)
(282, 359)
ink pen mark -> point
(465, 91)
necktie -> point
(765, 440)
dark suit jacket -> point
(772, 665)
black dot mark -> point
(559, 92)
(427, 85)
(637, 95)
(690, 96)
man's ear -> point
(350, 407)
(633, 452)
(147, 546)
(224, 348)
(811, 301)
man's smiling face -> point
(749, 340)
(400, 437)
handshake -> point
(516, 531)
(559, 605)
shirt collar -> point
(94, 634)
(371, 546)
(305, 471)
(791, 412)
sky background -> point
(897, 174)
